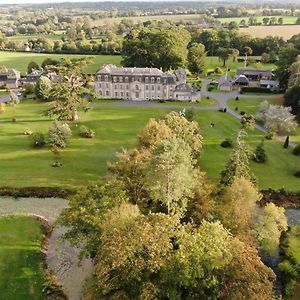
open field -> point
(282, 31)
(21, 276)
(20, 60)
(85, 160)
(287, 20)
(193, 18)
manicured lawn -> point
(21, 276)
(204, 102)
(20, 60)
(85, 160)
(250, 105)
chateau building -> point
(143, 84)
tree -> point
(85, 213)
(248, 121)
(13, 98)
(238, 206)
(154, 133)
(235, 54)
(43, 88)
(32, 66)
(224, 54)
(196, 59)
(266, 21)
(280, 119)
(169, 159)
(68, 93)
(292, 99)
(246, 276)
(286, 142)
(134, 248)
(259, 154)
(248, 51)
(59, 134)
(294, 79)
(164, 48)
(287, 56)
(269, 227)
(238, 163)
(185, 130)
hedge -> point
(37, 192)
(248, 89)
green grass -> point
(250, 105)
(21, 276)
(85, 160)
(20, 60)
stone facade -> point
(10, 79)
(140, 84)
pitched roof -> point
(108, 69)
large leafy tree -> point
(269, 227)
(292, 99)
(238, 163)
(134, 248)
(294, 79)
(238, 207)
(68, 92)
(224, 54)
(164, 48)
(170, 175)
(196, 59)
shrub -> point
(242, 113)
(227, 143)
(296, 150)
(286, 142)
(37, 139)
(237, 98)
(59, 134)
(190, 114)
(86, 132)
(269, 135)
(210, 89)
(28, 89)
(14, 120)
(260, 155)
(297, 174)
(27, 131)
(56, 164)
(218, 70)
(161, 101)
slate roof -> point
(249, 71)
(117, 71)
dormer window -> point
(106, 78)
(158, 80)
(146, 79)
(152, 79)
(126, 79)
(120, 79)
(115, 79)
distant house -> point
(9, 79)
(270, 84)
(242, 80)
(140, 84)
(225, 83)
(32, 77)
(255, 74)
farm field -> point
(20, 60)
(286, 32)
(287, 20)
(194, 18)
(85, 160)
(21, 276)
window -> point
(158, 88)
(152, 87)
(99, 85)
(120, 79)
(146, 79)
(107, 93)
(115, 79)
(146, 87)
(106, 85)
(116, 86)
(152, 79)
(116, 94)
(136, 87)
(127, 87)
(126, 79)
(122, 94)
(106, 78)
(165, 81)
(158, 80)
(137, 95)
(127, 94)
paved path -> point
(62, 258)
